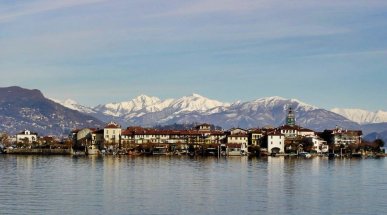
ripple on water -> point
(182, 185)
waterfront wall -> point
(39, 151)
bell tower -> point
(290, 118)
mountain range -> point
(362, 116)
(151, 111)
(29, 109)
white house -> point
(340, 136)
(289, 131)
(112, 133)
(237, 143)
(319, 144)
(305, 132)
(26, 136)
(276, 143)
(233, 131)
(238, 138)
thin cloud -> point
(349, 54)
(43, 6)
(200, 7)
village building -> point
(305, 132)
(255, 137)
(289, 131)
(319, 144)
(203, 127)
(112, 133)
(339, 136)
(26, 136)
(233, 131)
(275, 143)
(237, 143)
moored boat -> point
(92, 150)
(305, 155)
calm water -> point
(181, 185)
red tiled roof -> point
(238, 135)
(233, 145)
(112, 126)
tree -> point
(307, 144)
(379, 142)
(4, 140)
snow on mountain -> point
(73, 105)
(141, 102)
(362, 116)
(196, 103)
(276, 101)
(272, 111)
(150, 111)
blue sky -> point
(326, 53)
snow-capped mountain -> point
(362, 116)
(71, 104)
(29, 109)
(273, 110)
(150, 111)
(195, 103)
(148, 104)
(142, 102)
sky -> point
(330, 53)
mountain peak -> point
(274, 98)
(15, 92)
(194, 103)
(29, 109)
(146, 99)
(70, 102)
(196, 95)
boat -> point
(159, 150)
(211, 151)
(92, 150)
(304, 155)
(356, 155)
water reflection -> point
(183, 185)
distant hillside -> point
(375, 135)
(29, 109)
(374, 127)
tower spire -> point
(290, 118)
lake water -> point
(183, 185)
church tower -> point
(290, 118)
